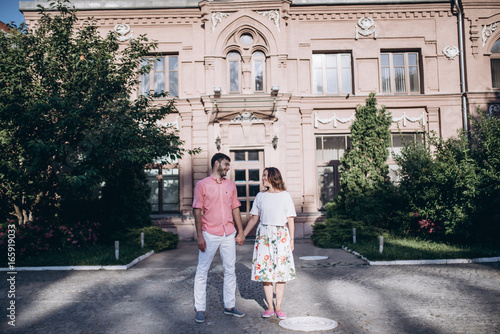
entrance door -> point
(246, 170)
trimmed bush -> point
(336, 230)
(154, 238)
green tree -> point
(68, 123)
(364, 173)
(450, 188)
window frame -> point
(160, 178)
(407, 66)
(322, 163)
(413, 133)
(168, 74)
(232, 59)
(495, 56)
(347, 146)
(254, 74)
(341, 90)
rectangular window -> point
(329, 151)
(164, 183)
(332, 74)
(399, 72)
(164, 76)
(234, 78)
(326, 183)
(332, 147)
(399, 140)
(259, 75)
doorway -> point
(246, 170)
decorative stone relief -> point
(274, 16)
(333, 119)
(406, 118)
(494, 109)
(246, 117)
(367, 27)
(488, 30)
(451, 52)
(122, 29)
(217, 18)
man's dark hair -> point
(219, 157)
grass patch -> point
(396, 248)
(86, 256)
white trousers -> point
(227, 247)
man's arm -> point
(202, 244)
(240, 238)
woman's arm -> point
(251, 223)
(291, 228)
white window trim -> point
(339, 73)
(407, 73)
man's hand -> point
(202, 244)
(240, 238)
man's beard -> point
(221, 171)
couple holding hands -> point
(272, 261)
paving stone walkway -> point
(155, 296)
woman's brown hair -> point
(274, 177)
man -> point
(217, 198)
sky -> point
(9, 11)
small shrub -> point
(337, 231)
(38, 237)
(154, 237)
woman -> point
(274, 241)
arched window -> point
(234, 60)
(258, 66)
(495, 65)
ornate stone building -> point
(276, 83)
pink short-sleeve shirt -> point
(217, 200)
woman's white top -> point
(273, 208)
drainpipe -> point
(463, 91)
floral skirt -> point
(272, 255)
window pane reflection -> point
(243, 207)
(326, 184)
(253, 190)
(239, 175)
(253, 175)
(253, 155)
(239, 155)
(241, 190)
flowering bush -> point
(426, 227)
(37, 237)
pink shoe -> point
(267, 314)
(281, 315)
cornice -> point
(375, 14)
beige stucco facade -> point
(320, 60)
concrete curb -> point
(421, 262)
(62, 268)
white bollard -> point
(117, 250)
(381, 244)
(142, 239)
(354, 235)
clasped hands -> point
(240, 238)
